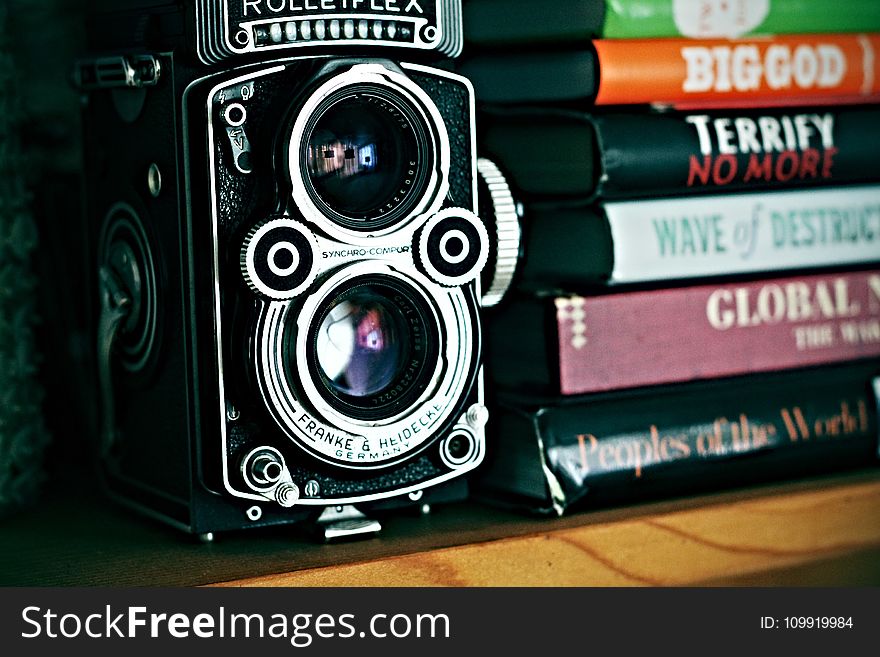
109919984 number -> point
(807, 623)
(817, 622)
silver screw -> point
(478, 416)
(154, 180)
(426, 509)
(313, 488)
(287, 494)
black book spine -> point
(548, 154)
(494, 23)
(559, 154)
(521, 346)
(666, 154)
(565, 248)
(683, 439)
(540, 78)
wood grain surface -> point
(819, 531)
(739, 542)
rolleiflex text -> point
(268, 7)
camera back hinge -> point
(117, 72)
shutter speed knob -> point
(278, 259)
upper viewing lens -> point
(365, 160)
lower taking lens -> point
(362, 343)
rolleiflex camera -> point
(287, 259)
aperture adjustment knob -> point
(453, 247)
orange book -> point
(786, 70)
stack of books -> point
(697, 301)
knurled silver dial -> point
(508, 233)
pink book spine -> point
(648, 338)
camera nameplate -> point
(234, 28)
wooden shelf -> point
(719, 542)
(822, 531)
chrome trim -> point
(473, 454)
(341, 522)
(218, 324)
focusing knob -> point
(453, 247)
(127, 256)
(278, 259)
(498, 207)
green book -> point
(708, 19)
(490, 23)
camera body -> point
(287, 260)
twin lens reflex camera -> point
(287, 259)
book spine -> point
(743, 233)
(708, 19)
(541, 78)
(494, 23)
(549, 153)
(715, 331)
(564, 248)
(727, 433)
(569, 248)
(732, 151)
(553, 154)
(792, 70)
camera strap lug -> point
(345, 522)
(122, 71)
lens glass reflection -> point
(361, 343)
(362, 157)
